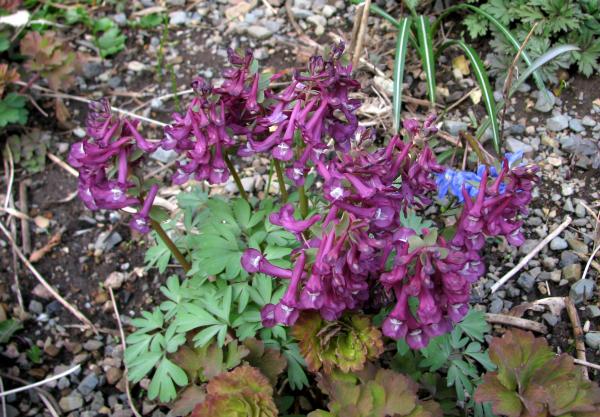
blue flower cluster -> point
(452, 180)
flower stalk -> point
(303, 201)
(171, 245)
(282, 189)
(235, 176)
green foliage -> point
(374, 392)
(401, 49)
(12, 110)
(561, 22)
(34, 354)
(29, 150)
(238, 393)
(346, 344)
(456, 357)
(532, 381)
(194, 326)
(8, 327)
(149, 21)
(422, 35)
(108, 37)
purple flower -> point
(412, 126)
(285, 312)
(285, 218)
(141, 220)
(253, 261)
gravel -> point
(455, 127)
(88, 384)
(558, 244)
(178, 18)
(558, 123)
(71, 402)
(592, 339)
(582, 290)
(259, 32)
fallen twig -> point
(25, 236)
(63, 164)
(164, 97)
(292, 19)
(51, 408)
(356, 26)
(509, 77)
(577, 332)
(38, 254)
(57, 94)
(45, 396)
(4, 413)
(9, 171)
(122, 333)
(586, 363)
(44, 283)
(364, 22)
(42, 382)
(531, 254)
(590, 261)
(516, 322)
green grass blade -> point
(487, 93)
(548, 56)
(540, 61)
(400, 59)
(427, 54)
(501, 28)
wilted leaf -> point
(460, 66)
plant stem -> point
(303, 202)
(235, 176)
(279, 171)
(171, 245)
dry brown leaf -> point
(460, 66)
(554, 304)
(41, 252)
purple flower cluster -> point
(212, 120)
(110, 141)
(367, 193)
(243, 113)
(368, 237)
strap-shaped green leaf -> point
(400, 59)
(487, 92)
(501, 28)
(427, 54)
(540, 61)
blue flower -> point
(453, 180)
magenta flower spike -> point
(141, 220)
(395, 325)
